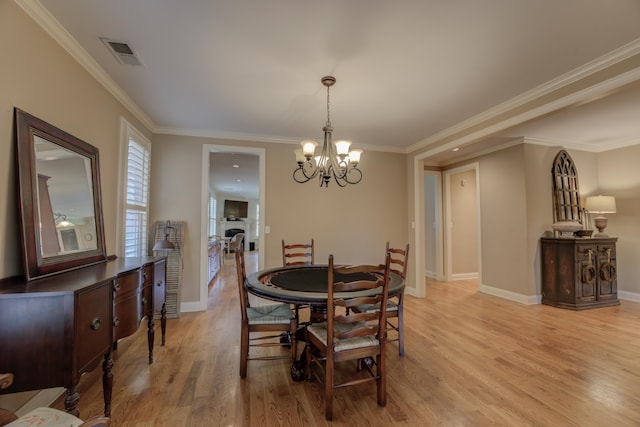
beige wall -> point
(464, 224)
(41, 78)
(352, 223)
(619, 176)
(503, 213)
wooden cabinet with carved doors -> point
(579, 273)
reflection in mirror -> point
(60, 201)
(65, 200)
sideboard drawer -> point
(128, 283)
(93, 337)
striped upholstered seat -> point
(274, 313)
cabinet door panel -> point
(93, 327)
(128, 314)
(159, 284)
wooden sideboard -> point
(579, 273)
(216, 247)
(56, 328)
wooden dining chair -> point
(235, 242)
(395, 304)
(357, 336)
(297, 254)
(260, 319)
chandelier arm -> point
(353, 171)
(300, 179)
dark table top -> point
(307, 284)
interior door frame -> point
(438, 231)
(204, 209)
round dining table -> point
(307, 285)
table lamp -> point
(601, 205)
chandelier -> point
(335, 160)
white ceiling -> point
(406, 70)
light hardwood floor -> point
(471, 360)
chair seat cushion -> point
(320, 331)
(46, 417)
(371, 308)
(274, 313)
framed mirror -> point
(60, 200)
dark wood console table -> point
(56, 328)
(579, 273)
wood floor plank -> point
(471, 360)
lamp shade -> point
(163, 245)
(601, 204)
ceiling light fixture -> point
(335, 160)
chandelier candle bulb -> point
(342, 147)
(308, 148)
(354, 156)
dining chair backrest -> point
(298, 254)
(369, 277)
(242, 279)
(398, 261)
(236, 241)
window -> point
(257, 220)
(136, 195)
(212, 215)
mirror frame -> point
(34, 263)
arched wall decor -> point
(566, 192)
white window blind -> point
(136, 199)
(212, 215)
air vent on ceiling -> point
(123, 52)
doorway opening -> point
(239, 175)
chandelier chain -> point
(328, 110)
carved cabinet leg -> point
(107, 383)
(71, 401)
(163, 321)
(150, 337)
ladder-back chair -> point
(395, 304)
(356, 336)
(262, 318)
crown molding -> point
(608, 60)
(51, 25)
(246, 137)
(581, 146)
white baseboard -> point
(512, 296)
(629, 296)
(187, 307)
(464, 276)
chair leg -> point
(382, 380)
(307, 358)
(244, 351)
(401, 330)
(328, 387)
(294, 346)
